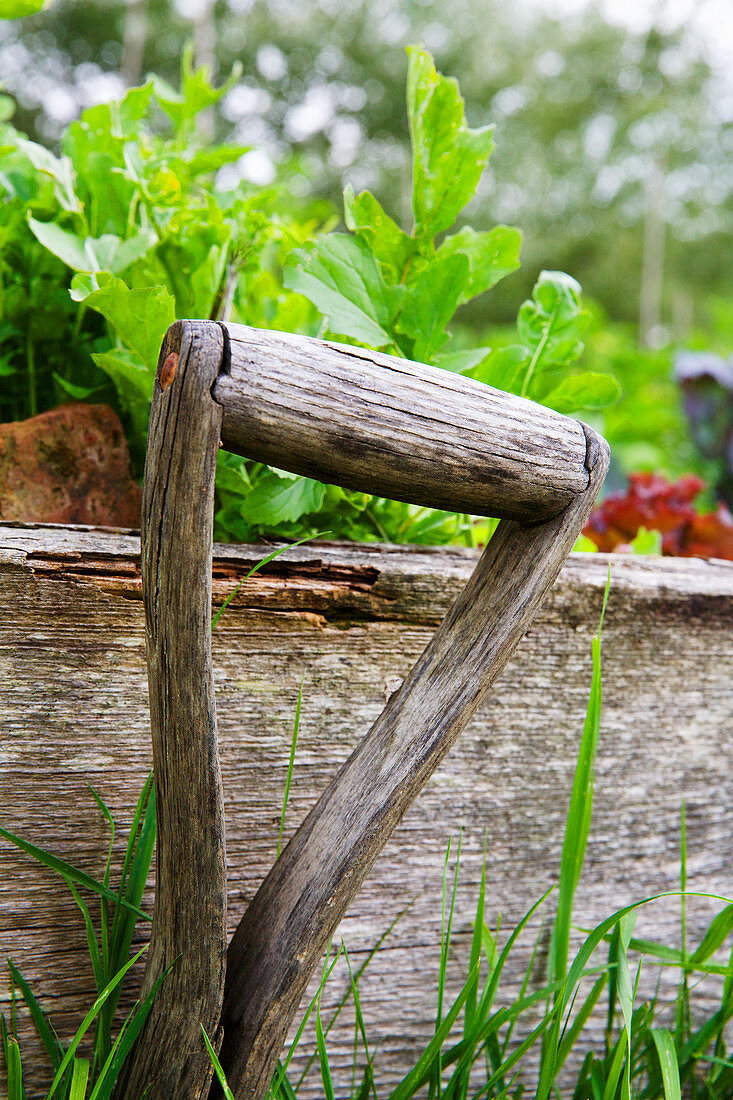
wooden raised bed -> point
(352, 619)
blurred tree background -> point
(614, 146)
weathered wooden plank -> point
(403, 430)
(74, 709)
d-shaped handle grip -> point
(396, 428)
(382, 425)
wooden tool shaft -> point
(399, 429)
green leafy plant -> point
(399, 291)
(130, 219)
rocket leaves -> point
(397, 291)
(386, 288)
(448, 158)
(343, 280)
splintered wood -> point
(352, 620)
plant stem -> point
(32, 388)
(547, 332)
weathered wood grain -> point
(402, 430)
(296, 911)
(74, 708)
(189, 921)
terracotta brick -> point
(68, 465)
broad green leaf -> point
(430, 303)
(491, 256)
(390, 245)
(342, 280)
(504, 368)
(92, 254)
(550, 324)
(7, 107)
(276, 500)
(77, 393)
(197, 92)
(459, 362)
(199, 162)
(141, 318)
(554, 311)
(58, 168)
(448, 157)
(126, 370)
(590, 390)
(66, 246)
(646, 542)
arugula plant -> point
(396, 291)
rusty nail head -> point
(168, 370)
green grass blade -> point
(667, 1055)
(476, 943)
(577, 825)
(291, 761)
(87, 1022)
(264, 561)
(467, 1050)
(132, 839)
(579, 814)
(104, 907)
(94, 952)
(573, 1032)
(345, 997)
(126, 1038)
(548, 1067)
(360, 1022)
(14, 1070)
(221, 1076)
(79, 1079)
(409, 1084)
(66, 870)
(514, 1057)
(285, 1089)
(445, 937)
(718, 931)
(323, 1058)
(280, 1075)
(105, 810)
(124, 920)
(489, 993)
(45, 1031)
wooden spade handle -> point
(378, 424)
(399, 429)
